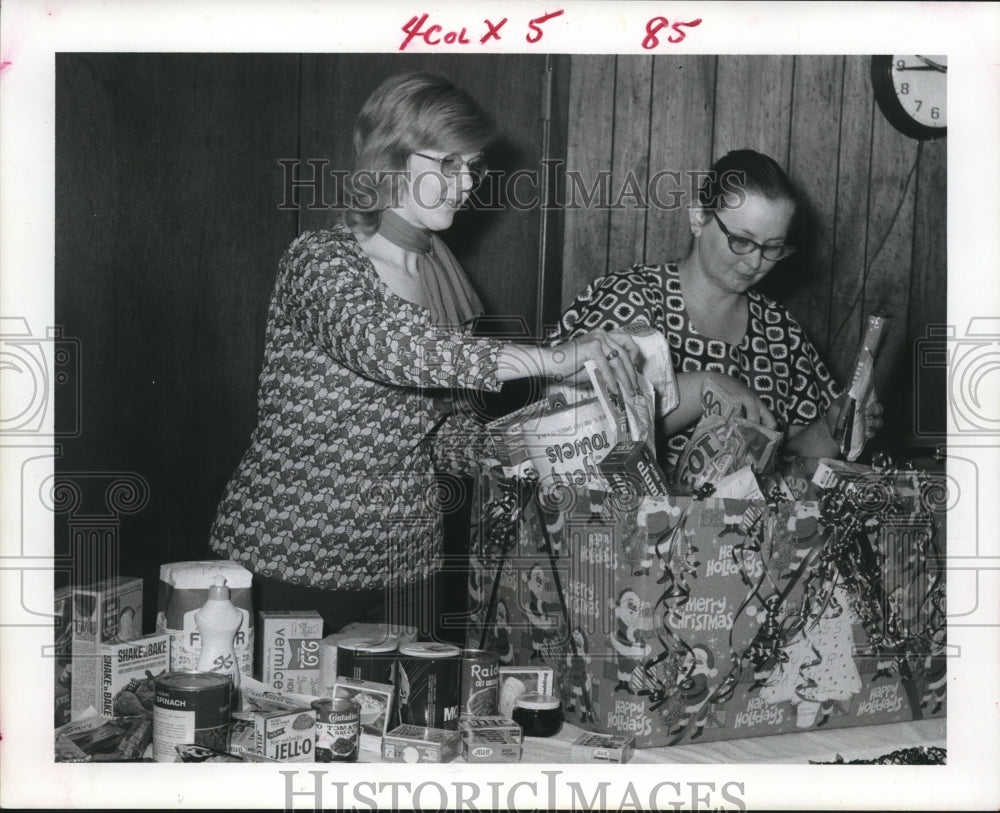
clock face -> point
(921, 87)
(912, 92)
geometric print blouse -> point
(774, 358)
(337, 487)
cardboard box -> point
(491, 745)
(602, 748)
(62, 654)
(289, 650)
(516, 681)
(126, 664)
(284, 736)
(105, 612)
(506, 726)
(376, 703)
(631, 469)
(411, 743)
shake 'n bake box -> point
(126, 664)
(105, 612)
(681, 619)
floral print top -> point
(774, 358)
(337, 487)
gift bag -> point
(678, 619)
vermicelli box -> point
(289, 650)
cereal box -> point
(289, 650)
(105, 612)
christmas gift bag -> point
(677, 618)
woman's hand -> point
(613, 352)
(873, 415)
(689, 409)
(754, 409)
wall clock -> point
(912, 93)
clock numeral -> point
(904, 88)
(919, 103)
(900, 64)
(935, 112)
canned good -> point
(368, 659)
(338, 729)
(190, 708)
(480, 683)
(429, 677)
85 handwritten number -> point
(657, 24)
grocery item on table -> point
(518, 680)
(480, 683)
(191, 708)
(603, 747)
(368, 658)
(288, 646)
(539, 715)
(338, 729)
(491, 745)
(218, 621)
(125, 665)
(413, 743)
(375, 701)
(182, 592)
(108, 611)
(429, 682)
(281, 735)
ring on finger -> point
(612, 355)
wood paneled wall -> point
(875, 200)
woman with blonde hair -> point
(334, 505)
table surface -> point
(858, 742)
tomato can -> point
(338, 729)
(190, 708)
(429, 677)
(480, 683)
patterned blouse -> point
(337, 488)
(774, 358)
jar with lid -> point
(539, 715)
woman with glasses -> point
(334, 505)
(716, 323)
